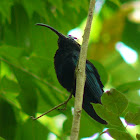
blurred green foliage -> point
(28, 83)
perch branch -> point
(64, 103)
(80, 76)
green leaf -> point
(119, 135)
(38, 7)
(67, 125)
(8, 85)
(117, 2)
(130, 35)
(28, 94)
(114, 101)
(30, 130)
(45, 70)
(13, 52)
(129, 86)
(48, 99)
(110, 117)
(57, 4)
(8, 121)
(2, 138)
(5, 9)
(133, 117)
(13, 56)
(10, 90)
(87, 122)
(138, 136)
(91, 126)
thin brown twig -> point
(64, 103)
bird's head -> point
(64, 42)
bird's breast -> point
(65, 69)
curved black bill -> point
(54, 30)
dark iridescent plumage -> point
(65, 61)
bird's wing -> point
(93, 87)
(94, 70)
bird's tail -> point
(90, 110)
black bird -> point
(65, 62)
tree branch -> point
(80, 76)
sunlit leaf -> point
(10, 90)
(5, 9)
(110, 117)
(8, 85)
(129, 86)
(48, 100)
(117, 2)
(138, 136)
(2, 138)
(86, 122)
(28, 94)
(67, 125)
(31, 129)
(13, 52)
(133, 118)
(114, 101)
(91, 126)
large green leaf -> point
(129, 86)
(8, 85)
(110, 117)
(38, 7)
(8, 121)
(91, 126)
(86, 122)
(31, 130)
(13, 52)
(131, 37)
(114, 101)
(5, 9)
(9, 90)
(48, 99)
(138, 136)
(2, 138)
(119, 135)
(133, 117)
(28, 94)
